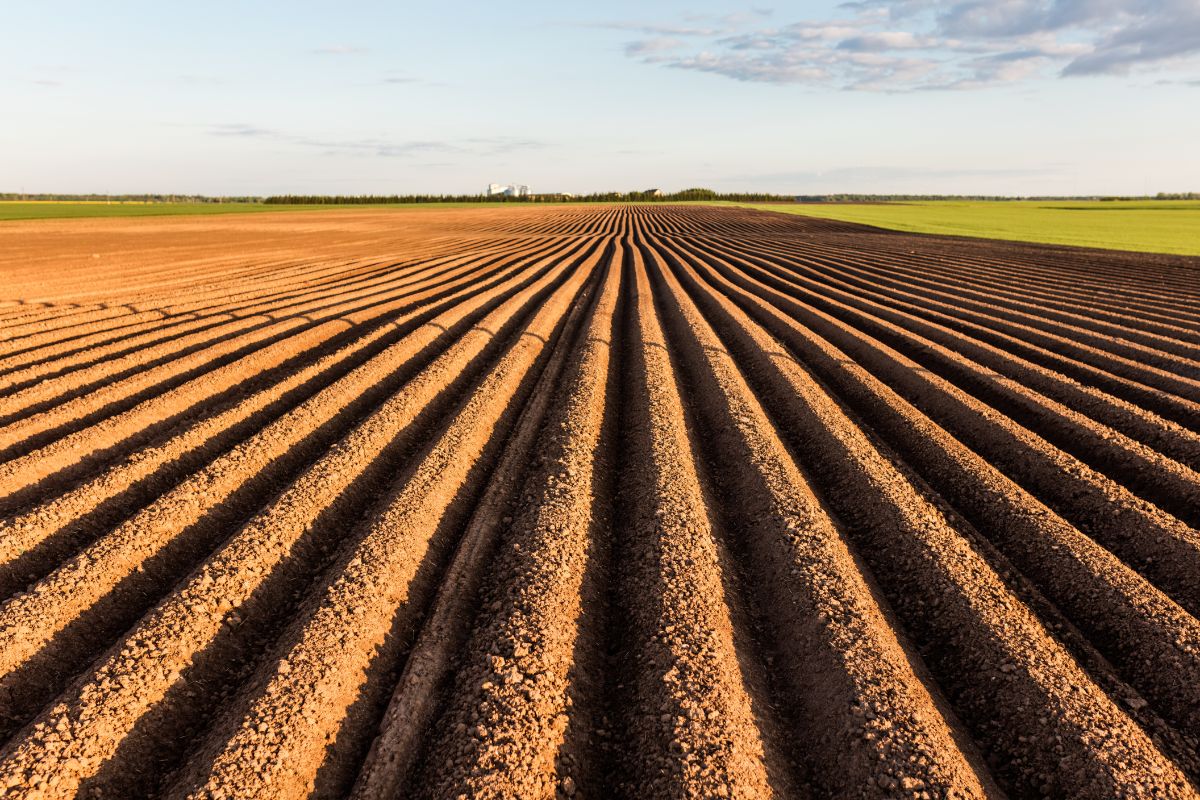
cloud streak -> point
(381, 148)
(885, 173)
(908, 45)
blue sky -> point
(954, 96)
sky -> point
(1013, 97)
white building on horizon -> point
(508, 190)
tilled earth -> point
(590, 502)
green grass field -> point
(1153, 226)
(55, 210)
(12, 210)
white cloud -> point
(904, 45)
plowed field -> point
(590, 502)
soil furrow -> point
(414, 702)
(323, 665)
(1126, 617)
(44, 532)
(189, 517)
(690, 716)
(119, 697)
(1139, 533)
(869, 717)
(344, 322)
(517, 703)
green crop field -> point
(51, 210)
(1153, 226)
(14, 210)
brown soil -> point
(644, 502)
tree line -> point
(389, 199)
(125, 198)
(641, 196)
